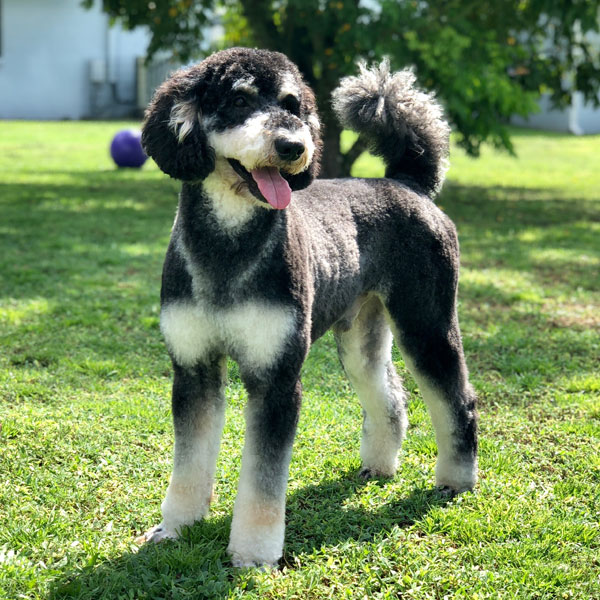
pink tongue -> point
(272, 186)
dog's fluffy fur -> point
(249, 277)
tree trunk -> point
(331, 160)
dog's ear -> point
(311, 118)
(172, 133)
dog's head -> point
(247, 113)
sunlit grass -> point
(85, 381)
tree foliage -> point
(486, 59)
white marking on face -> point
(183, 118)
(253, 332)
(303, 136)
(247, 143)
(288, 87)
(245, 84)
(314, 122)
(252, 144)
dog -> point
(264, 259)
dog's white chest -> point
(254, 333)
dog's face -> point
(246, 113)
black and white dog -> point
(263, 261)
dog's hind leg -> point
(258, 525)
(365, 353)
(427, 334)
(198, 417)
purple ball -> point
(126, 149)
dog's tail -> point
(402, 124)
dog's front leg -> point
(257, 530)
(198, 417)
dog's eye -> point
(291, 104)
(240, 102)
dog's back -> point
(369, 235)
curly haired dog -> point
(262, 261)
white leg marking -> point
(258, 525)
(380, 443)
(384, 426)
(450, 470)
(458, 473)
(191, 488)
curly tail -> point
(402, 124)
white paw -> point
(256, 548)
(158, 533)
(457, 476)
(257, 532)
(367, 473)
(244, 562)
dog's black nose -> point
(288, 149)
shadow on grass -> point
(528, 230)
(96, 216)
(532, 263)
(317, 516)
(58, 237)
(506, 205)
(197, 565)
(92, 247)
(193, 567)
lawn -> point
(86, 435)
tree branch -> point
(359, 146)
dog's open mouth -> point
(266, 183)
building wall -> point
(547, 119)
(45, 61)
(587, 116)
(580, 118)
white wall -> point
(548, 118)
(46, 50)
(587, 116)
(580, 117)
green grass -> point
(85, 444)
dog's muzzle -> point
(268, 183)
(289, 150)
(265, 183)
